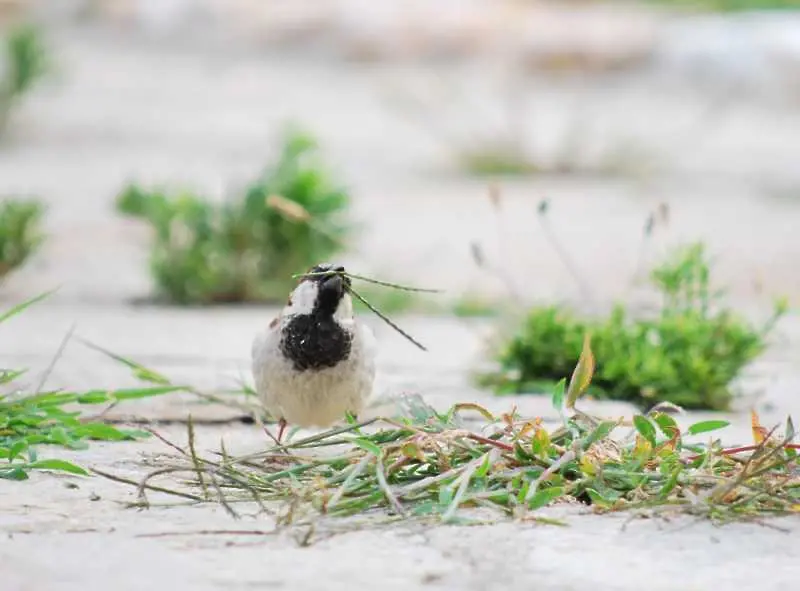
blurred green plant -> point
(26, 62)
(498, 158)
(688, 354)
(490, 147)
(393, 301)
(474, 306)
(247, 249)
(29, 420)
(20, 232)
(732, 5)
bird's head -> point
(322, 293)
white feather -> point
(303, 298)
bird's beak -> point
(334, 284)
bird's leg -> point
(275, 459)
(281, 428)
(282, 424)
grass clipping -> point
(434, 464)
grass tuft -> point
(731, 5)
(26, 62)
(688, 353)
(20, 232)
(246, 249)
(445, 465)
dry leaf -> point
(759, 432)
(288, 208)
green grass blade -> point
(58, 466)
(139, 371)
(19, 308)
(465, 478)
(137, 393)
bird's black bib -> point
(314, 343)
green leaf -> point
(582, 374)
(600, 432)
(59, 465)
(667, 424)
(604, 501)
(15, 473)
(483, 469)
(135, 393)
(545, 496)
(540, 442)
(50, 399)
(93, 397)
(706, 426)
(135, 433)
(671, 482)
(60, 436)
(425, 508)
(148, 375)
(16, 449)
(461, 406)
(446, 496)
(645, 428)
(101, 432)
(558, 395)
(523, 489)
(521, 455)
(7, 375)
(367, 445)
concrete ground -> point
(62, 538)
(128, 107)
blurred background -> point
(547, 149)
(609, 110)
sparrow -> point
(315, 361)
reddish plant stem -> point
(487, 441)
(736, 450)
